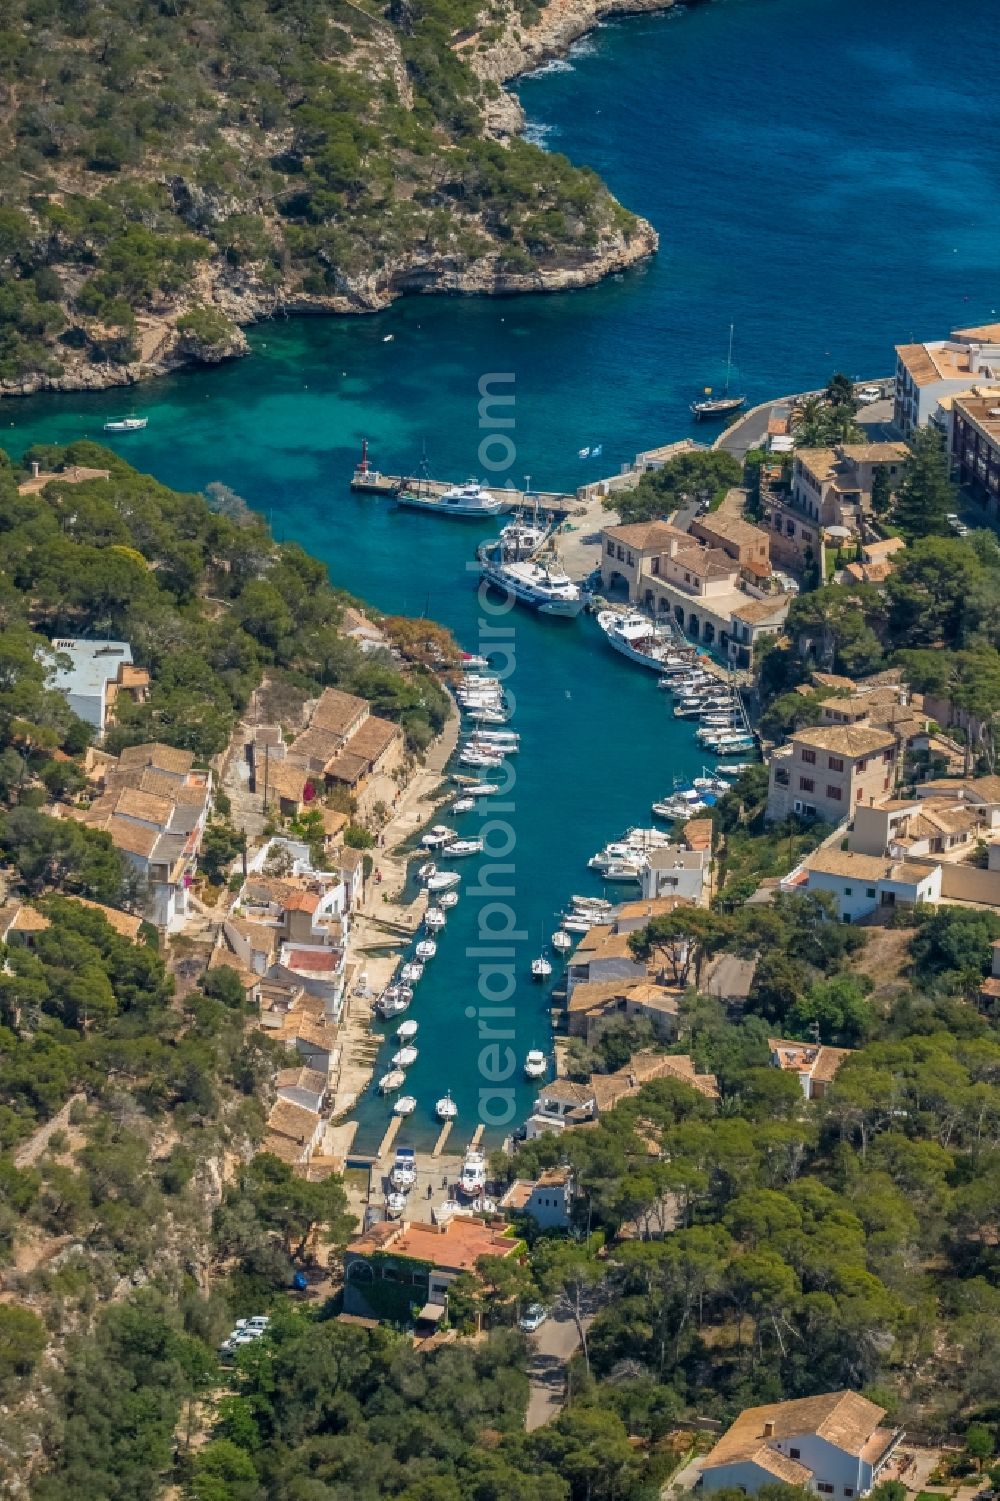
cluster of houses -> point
(344, 747)
(936, 842)
(154, 804)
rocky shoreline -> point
(516, 51)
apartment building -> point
(825, 771)
(925, 373)
(975, 445)
(624, 550)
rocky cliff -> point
(559, 24)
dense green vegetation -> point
(702, 477)
(207, 600)
(152, 156)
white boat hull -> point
(462, 509)
(560, 609)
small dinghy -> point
(448, 899)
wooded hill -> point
(167, 167)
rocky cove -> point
(496, 55)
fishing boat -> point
(496, 737)
(426, 871)
(126, 424)
(448, 899)
(708, 783)
(404, 1058)
(561, 942)
(391, 1081)
(601, 903)
(463, 805)
(520, 538)
(578, 922)
(488, 716)
(437, 836)
(406, 1031)
(541, 585)
(395, 1204)
(426, 949)
(628, 871)
(393, 1001)
(535, 1064)
(463, 847)
(446, 1109)
(434, 919)
(443, 880)
(710, 406)
(411, 972)
(637, 638)
(468, 500)
(473, 1179)
(635, 842)
(674, 809)
(541, 968)
(471, 663)
(405, 1105)
(728, 745)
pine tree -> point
(926, 495)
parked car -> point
(868, 394)
(533, 1318)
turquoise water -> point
(817, 178)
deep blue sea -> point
(820, 176)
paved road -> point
(751, 430)
(553, 1346)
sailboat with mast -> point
(719, 406)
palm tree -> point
(808, 423)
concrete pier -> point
(442, 1138)
(391, 1132)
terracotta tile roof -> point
(517, 1195)
(145, 807)
(310, 1079)
(316, 1034)
(831, 862)
(850, 740)
(124, 924)
(845, 1419)
(760, 611)
(313, 748)
(833, 680)
(351, 860)
(261, 938)
(650, 907)
(346, 767)
(294, 1121)
(987, 788)
(656, 997)
(595, 994)
(300, 900)
(337, 712)
(221, 958)
(643, 1068)
(19, 917)
(815, 1060)
(788, 1471)
(282, 1147)
(877, 552)
(159, 757)
(374, 737)
(288, 779)
(333, 822)
(697, 833)
(982, 333)
(455, 1246)
(731, 529)
(566, 1092)
(133, 838)
(646, 536)
(315, 961)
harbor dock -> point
(553, 503)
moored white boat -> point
(407, 1031)
(463, 805)
(446, 1109)
(434, 919)
(426, 949)
(561, 942)
(439, 835)
(637, 638)
(542, 586)
(541, 968)
(469, 499)
(411, 972)
(404, 1058)
(393, 1001)
(535, 1064)
(394, 1079)
(126, 424)
(443, 880)
(405, 1105)
(448, 899)
(473, 1178)
(461, 847)
(395, 1204)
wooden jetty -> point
(555, 504)
(391, 1132)
(442, 1138)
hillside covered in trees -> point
(170, 170)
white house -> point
(863, 884)
(548, 1199)
(834, 1444)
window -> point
(823, 1488)
(809, 757)
(861, 766)
(655, 567)
(869, 891)
(848, 1490)
(611, 549)
(630, 560)
(835, 763)
(833, 793)
(793, 1453)
(848, 890)
(806, 784)
(621, 555)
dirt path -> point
(28, 1153)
